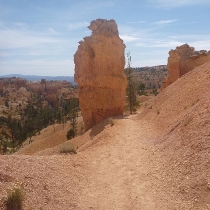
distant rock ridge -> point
(182, 60)
(99, 72)
(19, 92)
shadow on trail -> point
(95, 130)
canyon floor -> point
(158, 158)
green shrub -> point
(14, 200)
(67, 148)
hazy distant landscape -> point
(38, 78)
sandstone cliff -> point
(182, 60)
(99, 72)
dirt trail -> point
(119, 171)
(126, 171)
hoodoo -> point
(182, 60)
(99, 72)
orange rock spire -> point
(99, 72)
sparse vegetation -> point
(16, 129)
(111, 122)
(154, 91)
(68, 148)
(15, 197)
(141, 89)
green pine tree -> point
(131, 90)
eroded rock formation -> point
(99, 72)
(182, 60)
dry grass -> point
(67, 149)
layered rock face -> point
(182, 60)
(99, 72)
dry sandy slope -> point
(181, 114)
(49, 137)
(157, 159)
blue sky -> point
(40, 37)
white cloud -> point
(39, 67)
(91, 7)
(161, 44)
(3, 54)
(199, 42)
(27, 44)
(10, 38)
(195, 36)
(163, 22)
(200, 45)
(141, 44)
(177, 3)
(167, 44)
(128, 38)
(74, 26)
(133, 22)
(52, 31)
(171, 42)
(130, 34)
(20, 25)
